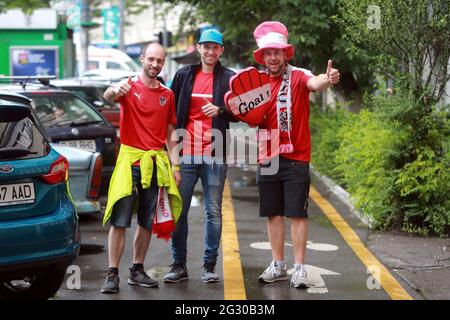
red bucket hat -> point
(271, 34)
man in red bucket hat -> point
(285, 193)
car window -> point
(21, 139)
(92, 94)
(93, 65)
(113, 65)
(63, 110)
(133, 66)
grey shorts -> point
(146, 203)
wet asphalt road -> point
(331, 261)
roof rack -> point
(23, 80)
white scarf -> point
(284, 112)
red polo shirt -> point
(300, 134)
(145, 114)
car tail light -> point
(96, 178)
(59, 172)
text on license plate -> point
(19, 193)
(80, 144)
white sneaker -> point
(273, 273)
(300, 278)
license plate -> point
(88, 145)
(19, 193)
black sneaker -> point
(111, 284)
(209, 274)
(177, 273)
(138, 277)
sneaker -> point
(300, 278)
(177, 273)
(273, 273)
(138, 277)
(208, 273)
(111, 284)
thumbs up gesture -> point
(332, 74)
(122, 87)
(209, 109)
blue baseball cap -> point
(211, 35)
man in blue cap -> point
(199, 98)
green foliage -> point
(28, 6)
(424, 188)
(324, 126)
(410, 45)
(363, 158)
(316, 37)
(396, 168)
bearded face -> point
(275, 61)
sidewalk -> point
(422, 262)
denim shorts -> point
(286, 192)
(146, 203)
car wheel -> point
(37, 287)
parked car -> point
(108, 76)
(85, 175)
(93, 92)
(39, 231)
(71, 121)
(109, 60)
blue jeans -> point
(212, 176)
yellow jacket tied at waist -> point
(121, 184)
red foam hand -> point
(249, 95)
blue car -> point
(39, 231)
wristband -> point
(176, 168)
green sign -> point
(111, 25)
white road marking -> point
(310, 245)
(315, 278)
(322, 247)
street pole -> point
(165, 43)
(122, 25)
(165, 35)
(84, 37)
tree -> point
(28, 6)
(314, 33)
(408, 43)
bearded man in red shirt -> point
(285, 193)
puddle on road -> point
(158, 272)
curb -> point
(342, 195)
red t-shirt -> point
(145, 114)
(198, 125)
(300, 135)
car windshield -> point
(57, 110)
(91, 94)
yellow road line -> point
(388, 282)
(233, 278)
